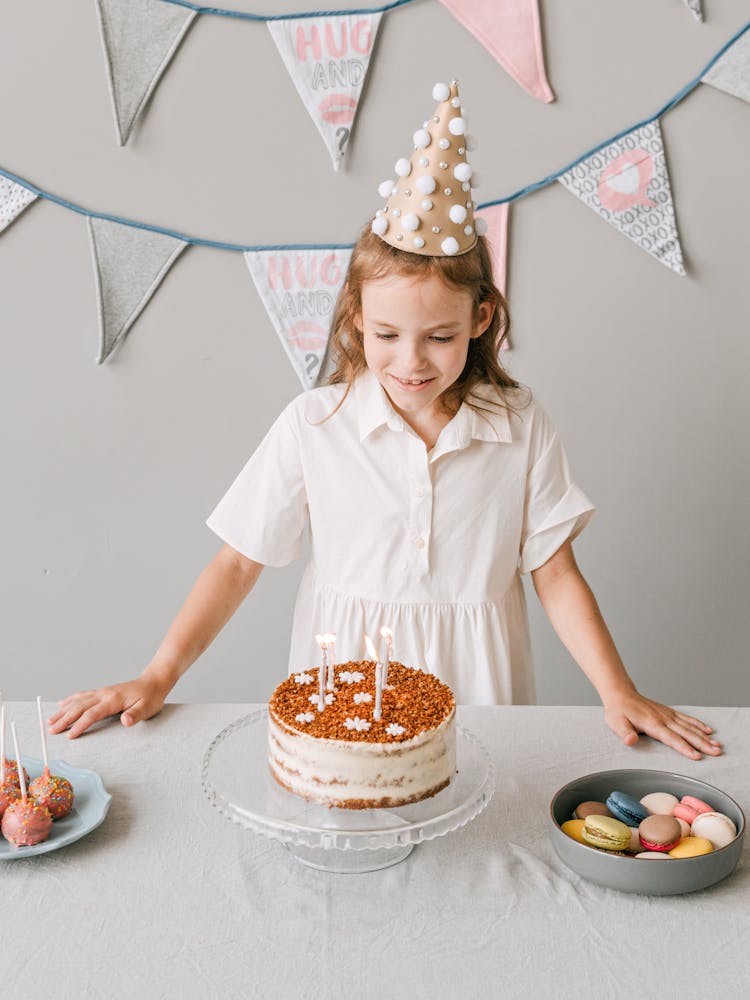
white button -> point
(419, 542)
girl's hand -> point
(629, 714)
(136, 700)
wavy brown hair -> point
(373, 258)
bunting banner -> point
(14, 198)
(299, 290)
(327, 54)
(624, 180)
(731, 72)
(327, 59)
(696, 8)
(129, 265)
(627, 184)
(511, 33)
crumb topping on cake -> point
(413, 701)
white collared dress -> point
(431, 544)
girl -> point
(429, 481)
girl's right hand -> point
(136, 700)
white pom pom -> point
(449, 246)
(426, 204)
(379, 226)
(422, 138)
(417, 242)
(457, 214)
(476, 179)
(468, 230)
(403, 167)
(456, 126)
(470, 142)
(456, 102)
(481, 227)
(466, 186)
(444, 143)
(423, 161)
(410, 221)
(426, 184)
(462, 171)
(441, 92)
(385, 190)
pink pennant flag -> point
(511, 32)
(496, 217)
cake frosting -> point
(342, 756)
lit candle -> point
(376, 714)
(321, 641)
(331, 639)
(387, 635)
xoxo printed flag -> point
(731, 73)
(299, 290)
(627, 184)
(327, 59)
(14, 198)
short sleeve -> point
(555, 508)
(264, 512)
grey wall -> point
(110, 471)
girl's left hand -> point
(629, 714)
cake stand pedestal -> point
(238, 782)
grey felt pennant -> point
(696, 8)
(731, 73)
(129, 264)
(14, 198)
(139, 39)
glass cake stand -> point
(237, 780)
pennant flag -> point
(731, 73)
(14, 198)
(129, 264)
(139, 39)
(327, 59)
(511, 33)
(496, 217)
(299, 290)
(695, 7)
(627, 184)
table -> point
(169, 899)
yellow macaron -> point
(574, 829)
(691, 847)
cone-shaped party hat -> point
(429, 208)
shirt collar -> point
(374, 409)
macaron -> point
(627, 809)
(634, 847)
(689, 807)
(574, 828)
(685, 827)
(653, 855)
(590, 808)
(660, 803)
(659, 833)
(691, 847)
(716, 827)
(606, 832)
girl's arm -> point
(216, 595)
(575, 616)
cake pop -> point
(51, 790)
(11, 767)
(25, 822)
(8, 793)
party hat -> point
(429, 208)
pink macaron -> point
(689, 808)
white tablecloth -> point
(169, 899)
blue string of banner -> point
(221, 12)
(218, 245)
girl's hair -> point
(373, 258)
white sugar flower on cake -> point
(303, 678)
(361, 696)
(315, 699)
(357, 723)
(351, 676)
(393, 729)
(305, 717)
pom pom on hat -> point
(422, 138)
(457, 214)
(426, 184)
(441, 92)
(450, 246)
(403, 167)
(385, 189)
(456, 126)
(462, 172)
(410, 221)
(481, 226)
(380, 225)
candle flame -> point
(371, 648)
(330, 637)
(322, 641)
(387, 634)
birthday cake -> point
(344, 756)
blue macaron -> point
(626, 808)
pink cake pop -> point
(25, 822)
(51, 790)
(8, 793)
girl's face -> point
(416, 335)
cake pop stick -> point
(10, 767)
(44, 735)
(8, 793)
(21, 778)
(2, 743)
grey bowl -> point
(670, 878)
